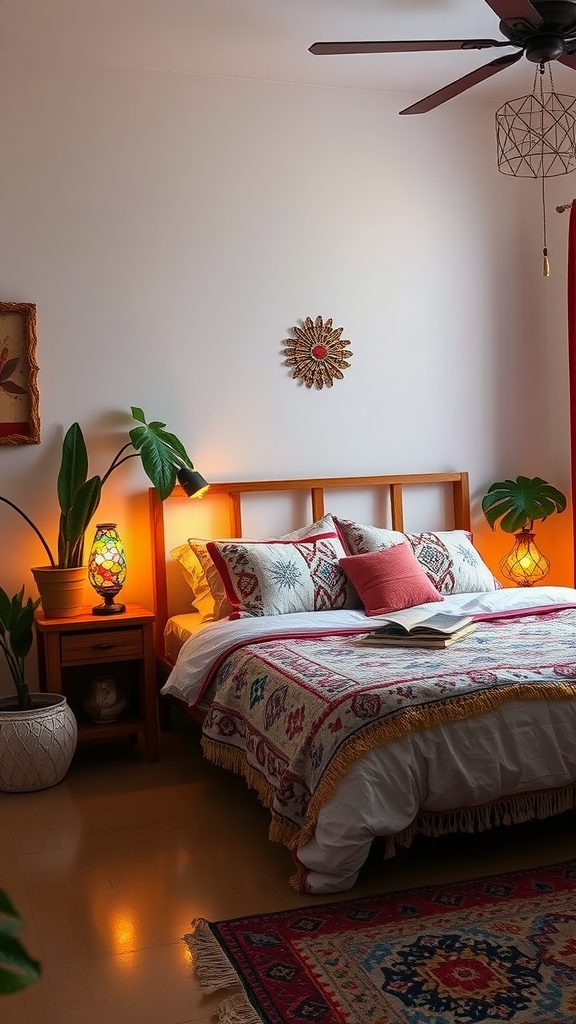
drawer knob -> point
(102, 647)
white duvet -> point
(520, 748)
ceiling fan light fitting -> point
(544, 47)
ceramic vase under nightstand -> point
(103, 701)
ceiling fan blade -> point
(569, 59)
(407, 46)
(516, 10)
(461, 84)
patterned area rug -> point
(497, 949)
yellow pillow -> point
(197, 566)
(201, 575)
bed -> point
(343, 741)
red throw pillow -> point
(389, 580)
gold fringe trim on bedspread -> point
(373, 735)
(376, 734)
(511, 810)
(215, 972)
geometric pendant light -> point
(536, 138)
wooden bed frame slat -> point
(395, 483)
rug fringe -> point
(211, 965)
(238, 1010)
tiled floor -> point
(110, 867)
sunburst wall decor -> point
(317, 353)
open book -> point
(410, 628)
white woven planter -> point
(36, 746)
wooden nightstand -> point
(72, 651)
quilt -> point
(292, 714)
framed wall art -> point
(19, 396)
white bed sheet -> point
(179, 629)
(519, 748)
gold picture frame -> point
(19, 395)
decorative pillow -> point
(449, 557)
(202, 576)
(452, 562)
(276, 577)
(359, 539)
(389, 579)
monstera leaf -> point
(161, 452)
(518, 503)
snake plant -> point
(16, 622)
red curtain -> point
(572, 361)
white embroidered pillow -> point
(449, 557)
(360, 540)
(203, 578)
(452, 562)
(277, 577)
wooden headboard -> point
(394, 486)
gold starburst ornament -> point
(317, 354)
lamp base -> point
(108, 608)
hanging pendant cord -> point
(545, 260)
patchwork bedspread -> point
(292, 714)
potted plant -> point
(164, 459)
(38, 732)
(17, 968)
(518, 504)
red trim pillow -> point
(281, 576)
(203, 578)
(389, 580)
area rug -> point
(495, 949)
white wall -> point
(173, 228)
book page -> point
(409, 617)
(445, 623)
(413, 618)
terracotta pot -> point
(36, 746)
(61, 590)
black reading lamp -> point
(192, 482)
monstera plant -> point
(517, 505)
(164, 459)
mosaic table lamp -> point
(107, 568)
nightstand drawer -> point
(86, 648)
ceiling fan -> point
(542, 31)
